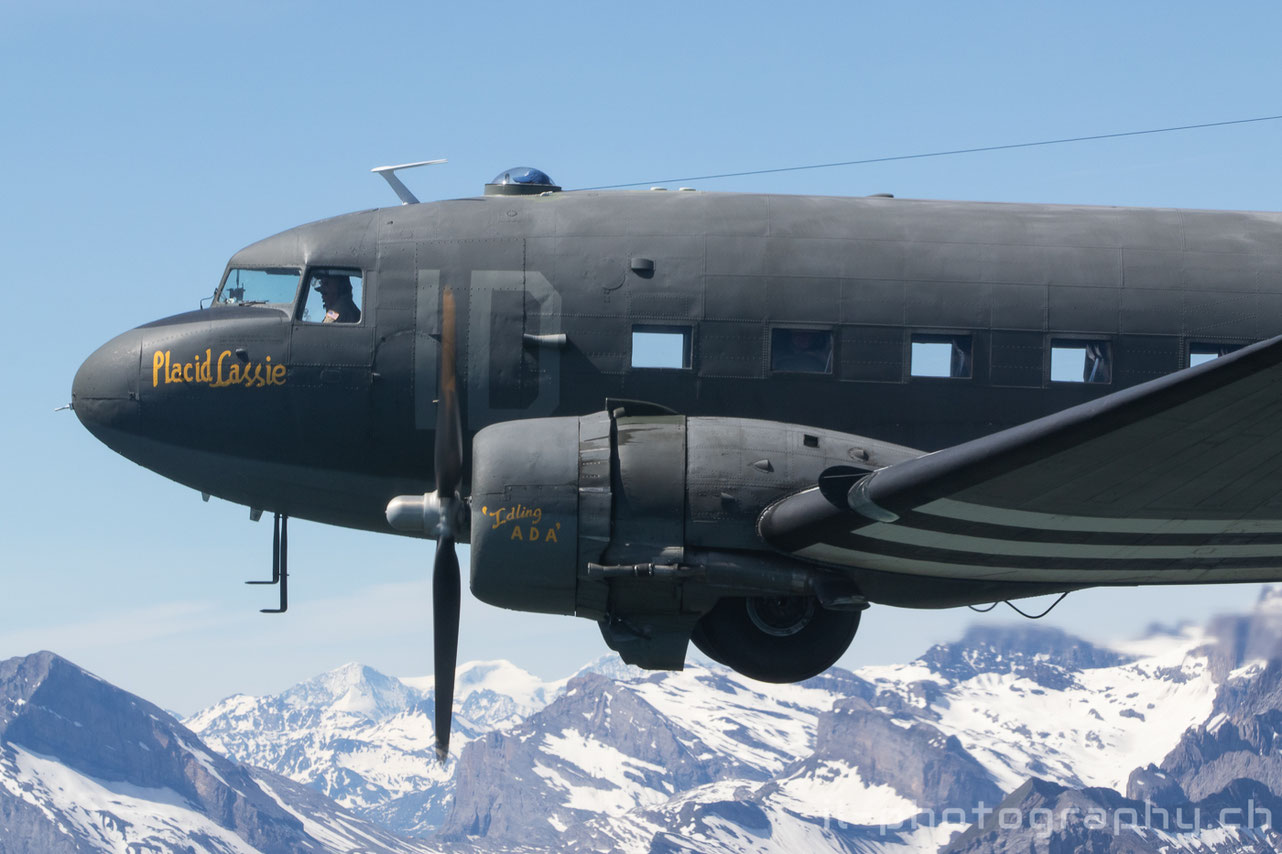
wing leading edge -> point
(1177, 480)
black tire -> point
(775, 638)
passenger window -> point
(1081, 361)
(803, 351)
(1201, 351)
(333, 295)
(941, 356)
(661, 347)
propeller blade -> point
(449, 428)
(445, 619)
(445, 573)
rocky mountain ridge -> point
(85, 766)
(862, 756)
(1011, 738)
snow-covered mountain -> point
(366, 740)
(1015, 738)
(898, 757)
(85, 766)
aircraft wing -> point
(1176, 480)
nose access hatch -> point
(521, 181)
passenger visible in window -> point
(960, 363)
(807, 351)
(935, 355)
(1097, 368)
(1200, 352)
(336, 298)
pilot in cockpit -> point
(336, 298)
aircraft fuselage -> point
(327, 421)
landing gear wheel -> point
(775, 638)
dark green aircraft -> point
(736, 419)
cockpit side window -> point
(273, 285)
(332, 295)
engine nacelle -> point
(645, 521)
(525, 514)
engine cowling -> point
(525, 515)
(646, 522)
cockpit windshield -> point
(255, 287)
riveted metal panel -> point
(735, 298)
(1216, 271)
(1150, 311)
(872, 301)
(736, 256)
(880, 259)
(591, 272)
(1017, 359)
(1155, 228)
(427, 348)
(732, 349)
(1144, 268)
(1219, 314)
(650, 487)
(1018, 306)
(1053, 265)
(952, 304)
(397, 275)
(1084, 309)
(807, 300)
(805, 257)
(511, 378)
(601, 345)
(822, 217)
(1231, 232)
(1057, 225)
(871, 353)
(944, 262)
(1139, 358)
(652, 307)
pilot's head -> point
(333, 288)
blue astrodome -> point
(521, 180)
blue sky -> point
(144, 142)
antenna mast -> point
(402, 192)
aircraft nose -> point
(104, 394)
